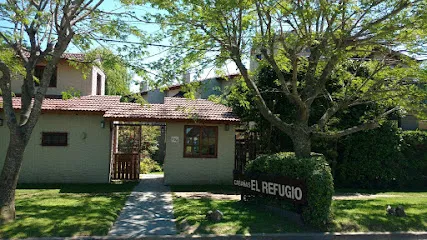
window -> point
(200, 141)
(54, 139)
(38, 73)
(98, 84)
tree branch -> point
(372, 124)
(259, 101)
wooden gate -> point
(126, 152)
(126, 166)
(246, 150)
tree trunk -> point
(302, 144)
(9, 178)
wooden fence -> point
(125, 166)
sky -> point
(153, 53)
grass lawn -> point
(66, 210)
(238, 218)
(357, 214)
(369, 214)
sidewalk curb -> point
(272, 236)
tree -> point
(41, 31)
(313, 42)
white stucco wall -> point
(86, 159)
(180, 170)
(95, 72)
(67, 77)
(171, 93)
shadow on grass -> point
(64, 210)
(351, 191)
(239, 218)
(84, 188)
(370, 215)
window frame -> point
(98, 84)
(201, 127)
(47, 144)
(41, 68)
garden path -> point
(148, 210)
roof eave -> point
(169, 120)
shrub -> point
(383, 158)
(414, 148)
(148, 165)
(314, 171)
(371, 159)
(414, 142)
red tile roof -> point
(172, 109)
(74, 56)
(86, 103)
(80, 57)
(176, 109)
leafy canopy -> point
(310, 45)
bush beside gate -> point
(316, 174)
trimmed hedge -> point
(371, 159)
(414, 149)
(316, 173)
(382, 158)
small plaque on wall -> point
(175, 139)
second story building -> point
(72, 72)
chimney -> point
(186, 77)
(143, 86)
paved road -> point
(148, 210)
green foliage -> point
(148, 165)
(371, 159)
(146, 143)
(8, 57)
(272, 139)
(328, 57)
(117, 76)
(414, 148)
(129, 141)
(383, 158)
(414, 142)
(149, 135)
(70, 93)
(314, 171)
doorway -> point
(136, 146)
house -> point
(411, 122)
(88, 80)
(75, 140)
(205, 88)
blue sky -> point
(154, 53)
